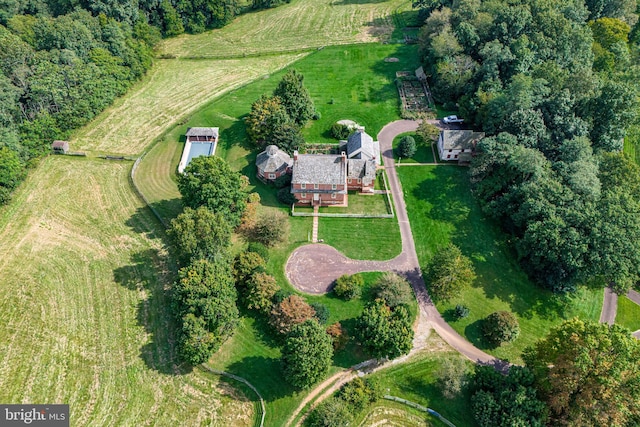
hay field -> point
(170, 92)
(301, 24)
(83, 316)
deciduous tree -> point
(393, 289)
(448, 273)
(209, 181)
(306, 354)
(349, 286)
(384, 332)
(290, 312)
(295, 97)
(500, 327)
(588, 373)
(198, 234)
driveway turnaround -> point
(313, 268)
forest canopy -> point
(553, 85)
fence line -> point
(247, 383)
(339, 215)
(420, 408)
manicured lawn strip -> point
(370, 204)
(84, 317)
(423, 154)
(298, 25)
(415, 380)
(628, 314)
(362, 238)
(155, 177)
(441, 208)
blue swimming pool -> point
(199, 149)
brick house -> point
(272, 163)
(319, 179)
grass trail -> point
(83, 315)
(171, 92)
(301, 24)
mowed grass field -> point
(83, 313)
(299, 25)
(442, 209)
(169, 93)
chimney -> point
(344, 157)
(295, 155)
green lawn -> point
(359, 204)
(415, 380)
(628, 314)
(442, 209)
(423, 154)
(362, 238)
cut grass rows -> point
(83, 315)
(171, 91)
(301, 24)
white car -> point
(452, 119)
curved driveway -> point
(312, 268)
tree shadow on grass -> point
(148, 273)
(473, 332)
(264, 373)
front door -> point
(316, 198)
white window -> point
(316, 186)
(333, 186)
(333, 195)
(303, 186)
(359, 180)
(272, 176)
(349, 181)
(303, 195)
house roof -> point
(361, 146)
(363, 169)
(319, 169)
(211, 132)
(60, 144)
(460, 139)
(273, 159)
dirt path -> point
(337, 379)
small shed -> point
(60, 147)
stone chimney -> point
(295, 156)
(343, 157)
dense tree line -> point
(204, 297)
(553, 85)
(57, 73)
